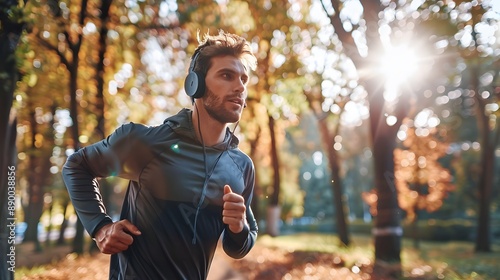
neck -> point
(209, 131)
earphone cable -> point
(207, 173)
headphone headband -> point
(193, 61)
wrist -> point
(100, 224)
(101, 232)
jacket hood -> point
(182, 124)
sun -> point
(398, 66)
(399, 63)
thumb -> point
(131, 228)
(227, 189)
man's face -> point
(226, 82)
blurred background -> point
(374, 118)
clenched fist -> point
(233, 210)
(116, 237)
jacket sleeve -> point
(114, 156)
(237, 245)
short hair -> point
(223, 44)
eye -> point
(226, 75)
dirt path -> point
(260, 264)
(59, 264)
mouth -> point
(238, 101)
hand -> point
(116, 237)
(233, 210)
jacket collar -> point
(182, 124)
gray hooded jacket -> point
(174, 197)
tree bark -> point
(486, 178)
(336, 184)
(62, 229)
(257, 189)
(10, 32)
(272, 221)
(7, 156)
(34, 209)
(100, 129)
(387, 231)
(78, 241)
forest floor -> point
(302, 256)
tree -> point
(387, 230)
(467, 29)
(279, 86)
(376, 28)
(71, 42)
(422, 182)
(39, 151)
(67, 43)
(483, 81)
(328, 134)
(12, 24)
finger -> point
(116, 247)
(233, 198)
(129, 227)
(238, 213)
(227, 189)
(234, 206)
(230, 220)
(121, 246)
(112, 247)
(123, 237)
(120, 233)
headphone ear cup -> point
(194, 85)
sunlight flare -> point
(399, 64)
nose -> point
(240, 86)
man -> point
(189, 183)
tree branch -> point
(51, 47)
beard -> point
(216, 108)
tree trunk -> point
(387, 231)
(34, 209)
(100, 101)
(10, 32)
(415, 232)
(485, 184)
(78, 240)
(257, 188)
(49, 228)
(73, 109)
(336, 183)
(100, 129)
(272, 220)
(387, 222)
(62, 230)
(7, 195)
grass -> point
(452, 260)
